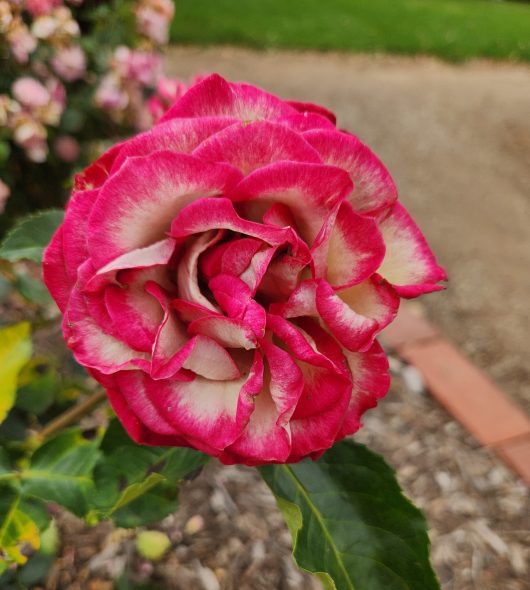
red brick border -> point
(465, 391)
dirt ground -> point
(457, 140)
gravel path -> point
(228, 534)
(457, 140)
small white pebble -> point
(413, 380)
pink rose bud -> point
(30, 93)
(109, 95)
(67, 148)
(228, 272)
(153, 25)
(5, 191)
(141, 66)
(22, 42)
(69, 63)
(41, 7)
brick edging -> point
(465, 391)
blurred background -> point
(440, 90)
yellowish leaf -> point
(15, 351)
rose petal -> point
(371, 380)
(409, 264)
(310, 191)
(177, 135)
(374, 188)
(214, 96)
(137, 204)
(248, 146)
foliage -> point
(350, 523)
(31, 235)
(75, 75)
(15, 350)
(451, 29)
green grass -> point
(452, 29)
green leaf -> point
(31, 235)
(38, 385)
(350, 522)
(32, 289)
(137, 484)
(61, 471)
(18, 532)
(15, 351)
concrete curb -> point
(466, 392)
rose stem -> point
(72, 414)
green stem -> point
(72, 415)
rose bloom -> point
(21, 41)
(141, 66)
(41, 7)
(30, 93)
(153, 18)
(69, 63)
(67, 148)
(224, 276)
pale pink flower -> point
(153, 18)
(21, 41)
(226, 275)
(30, 93)
(40, 7)
(67, 148)
(5, 191)
(31, 135)
(143, 66)
(69, 63)
(58, 27)
(110, 95)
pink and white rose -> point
(224, 276)
(69, 63)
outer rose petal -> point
(354, 331)
(54, 271)
(209, 414)
(178, 135)
(374, 299)
(248, 146)
(348, 249)
(409, 264)
(371, 380)
(374, 188)
(93, 347)
(75, 230)
(309, 107)
(98, 172)
(214, 96)
(137, 430)
(305, 122)
(136, 205)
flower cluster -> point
(224, 275)
(60, 56)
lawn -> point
(452, 29)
